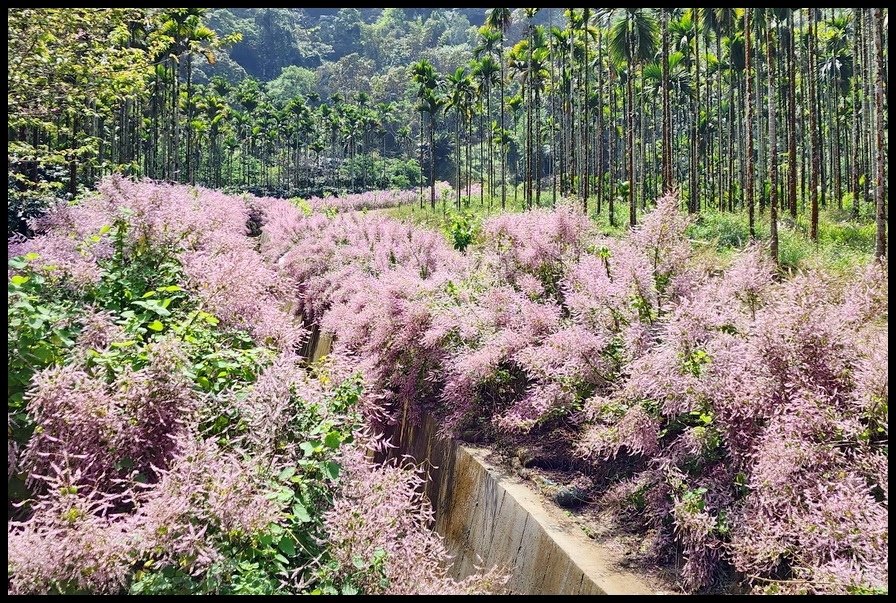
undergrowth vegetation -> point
(738, 413)
(844, 243)
(164, 437)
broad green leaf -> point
(331, 469)
(301, 513)
(287, 545)
(332, 439)
(153, 306)
(284, 495)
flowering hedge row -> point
(739, 418)
(164, 437)
(742, 419)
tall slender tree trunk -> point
(791, 118)
(880, 245)
(481, 157)
(457, 129)
(667, 110)
(586, 126)
(761, 164)
(718, 181)
(856, 113)
(503, 152)
(72, 158)
(152, 153)
(748, 125)
(632, 209)
(868, 159)
(491, 143)
(599, 168)
(772, 143)
(432, 160)
(175, 126)
(191, 175)
(538, 147)
(562, 111)
(836, 155)
(422, 123)
(469, 154)
(555, 131)
(858, 67)
(695, 191)
(611, 164)
(813, 132)
(731, 149)
(571, 117)
(527, 190)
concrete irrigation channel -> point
(489, 517)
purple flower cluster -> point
(107, 431)
(82, 538)
(475, 191)
(124, 474)
(759, 407)
(205, 229)
(381, 511)
(366, 278)
(753, 410)
(365, 200)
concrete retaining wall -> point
(490, 518)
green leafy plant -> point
(461, 230)
(41, 328)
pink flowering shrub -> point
(368, 279)
(364, 201)
(103, 431)
(744, 417)
(68, 543)
(169, 439)
(749, 409)
(381, 517)
(538, 244)
(475, 191)
(204, 229)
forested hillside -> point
(274, 38)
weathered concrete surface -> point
(325, 342)
(317, 345)
(491, 518)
